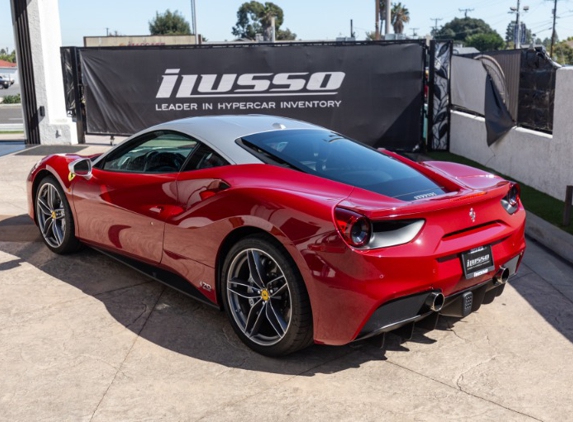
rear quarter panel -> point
(288, 205)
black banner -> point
(439, 96)
(370, 91)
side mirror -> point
(81, 167)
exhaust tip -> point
(502, 275)
(435, 301)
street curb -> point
(12, 137)
(553, 238)
(12, 127)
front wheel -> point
(54, 217)
(265, 297)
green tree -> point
(510, 33)
(9, 57)
(285, 34)
(169, 23)
(461, 28)
(256, 18)
(563, 53)
(400, 16)
(382, 18)
(485, 42)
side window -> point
(155, 152)
(204, 157)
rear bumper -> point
(354, 295)
(410, 310)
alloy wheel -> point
(51, 215)
(259, 297)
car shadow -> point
(174, 321)
(545, 281)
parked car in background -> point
(6, 81)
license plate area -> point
(477, 261)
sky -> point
(310, 20)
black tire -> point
(54, 217)
(265, 298)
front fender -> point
(51, 165)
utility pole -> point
(517, 26)
(273, 29)
(517, 30)
(377, 20)
(194, 21)
(388, 17)
(466, 11)
(518, 41)
(436, 20)
(414, 32)
(553, 31)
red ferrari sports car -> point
(300, 234)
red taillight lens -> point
(355, 228)
(511, 201)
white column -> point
(45, 40)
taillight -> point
(510, 202)
(355, 228)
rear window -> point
(330, 155)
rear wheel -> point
(54, 217)
(265, 297)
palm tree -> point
(382, 9)
(400, 16)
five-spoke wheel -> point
(265, 297)
(54, 217)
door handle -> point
(156, 209)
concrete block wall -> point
(537, 159)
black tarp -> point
(498, 119)
(368, 91)
(474, 90)
(530, 81)
(537, 90)
(439, 95)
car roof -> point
(220, 132)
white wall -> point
(542, 161)
(45, 41)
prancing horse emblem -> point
(472, 215)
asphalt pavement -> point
(12, 90)
(11, 118)
(85, 338)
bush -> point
(12, 99)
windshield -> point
(332, 156)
